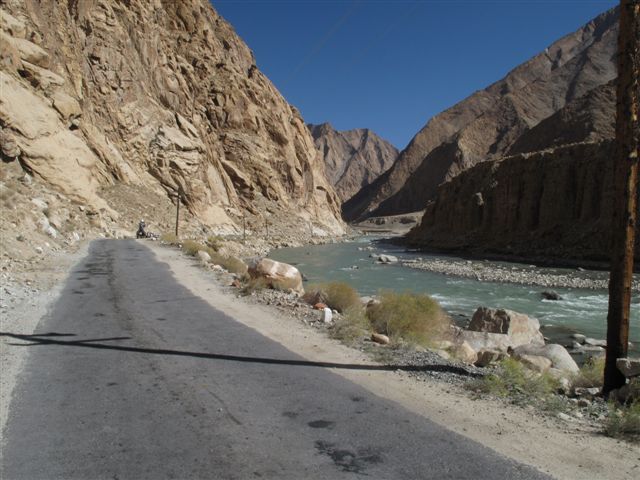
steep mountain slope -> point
(590, 118)
(352, 158)
(161, 96)
(484, 126)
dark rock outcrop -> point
(555, 204)
(486, 125)
(353, 158)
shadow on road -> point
(45, 339)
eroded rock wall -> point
(160, 94)
(554, 204)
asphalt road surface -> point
(130, 376)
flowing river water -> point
(580, 310)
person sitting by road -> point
(141, 233)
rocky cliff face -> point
(486, 125)
(353, 158)
(159, 98)
(554, 204)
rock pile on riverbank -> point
(525, 275)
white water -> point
(583, 311)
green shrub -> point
(191, 247)
(623, 421)
(412, 317)
(351, 326)
(591, 374)
(170, 238)
(515, 381)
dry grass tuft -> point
(170, 239)
(191, 247)
(624, 422)
(591, 374)
(352, 326)
(215, 242)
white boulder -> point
(277, 274)
(203, 256)
(560, 358)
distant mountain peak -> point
(353, 158)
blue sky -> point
(392, 65)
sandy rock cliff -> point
(100, 98)
(486, 125)
(353, 158)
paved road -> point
(132, 377)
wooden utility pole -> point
(178, 194)
(625, 192)
(244, 228)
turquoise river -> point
(581, 311)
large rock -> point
(277, 274)
(203, 256)
(387, 258)
(484, 340)
(560, 358)
(487, 357)
(630, 367)
(520, 328)
(537, 363)
(465, 353)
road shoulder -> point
(514, 432)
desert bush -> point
(591, 373)
(339, 296)
(314, 294)
(412, 317)
(283, 284)
(352, 326)
(514, 380)
(623, 421)
(254, 284)
(170, 238)
(231, 263)
(191, 247)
